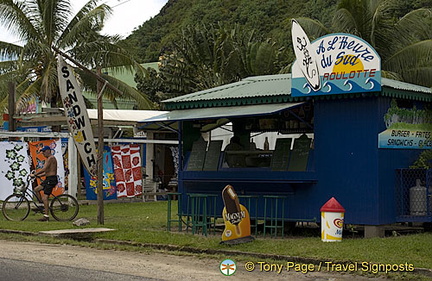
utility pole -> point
(99, 88)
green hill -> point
(269, 18)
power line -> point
(121, 3)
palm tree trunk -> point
(11, 109)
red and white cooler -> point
(332, 218)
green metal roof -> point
(251, 90)
(277, 89)
(398, 89)
(404, 86)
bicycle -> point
(16, 207)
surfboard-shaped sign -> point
(306, 59)
(77, 116)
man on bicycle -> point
(49, 170)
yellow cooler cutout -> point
(236, 219)
(239, 230)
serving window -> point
(276, 142)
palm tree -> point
(42, 25)
(404, 44)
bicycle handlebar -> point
(32, 178)
(33, 173)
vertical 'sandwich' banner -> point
(77, 116)
(333, 64)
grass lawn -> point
(146, 223)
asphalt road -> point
(18, 270)
(45, 262)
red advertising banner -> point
(127, 170)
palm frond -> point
(413, 55)
(128, 92)
(391, 75)
(419, 75)
(415, 26)
(54, 18)
(25, 91)
(313, 28)
(143, 102)
(4, 102)
(85, 24)
(344, 21)
(18, 17)
(9, 51)
(410, 60)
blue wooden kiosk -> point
(349, 145)
(344, 160)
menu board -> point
(281, 155)
(197, 155)
(212, 156)
(300, 154)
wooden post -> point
(73, 178)
(100, 202)
(149, 157)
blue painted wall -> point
(346, 133)
(349, 164)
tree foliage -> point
(206, 56)
(40, 25)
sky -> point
(126, 16)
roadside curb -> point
(167, 247)
(26, 233)
(295, 259)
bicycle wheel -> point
(64, 207)
(16, 207)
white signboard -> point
(407, 128)
(405, 139)
(333, 64)
(77, 116)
